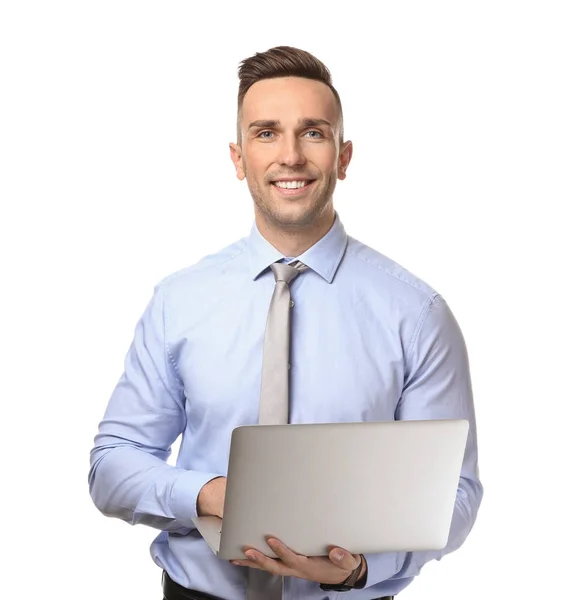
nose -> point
(290, 151)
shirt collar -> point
(323, 257)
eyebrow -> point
(308, 122)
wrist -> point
(356, 579)
(209, 500)
(364, 571)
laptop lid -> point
(366, 487)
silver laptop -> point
(366, 487)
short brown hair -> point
(283, 61)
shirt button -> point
(292, 303)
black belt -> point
(173, 591)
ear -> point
(344, 159)
(236, 156)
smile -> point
(291, 184)
(293, 188)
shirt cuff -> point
(183, 502)
(382, 567)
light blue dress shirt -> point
(369, 342)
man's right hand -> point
(212, 498)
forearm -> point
(139, 487)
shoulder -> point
(205, 272)
(393, 291)
(370, 265)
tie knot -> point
(288, 272)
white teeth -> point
(290, 184)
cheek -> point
(326, 161)
(257, 164)
(331, 171)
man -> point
(368, 342)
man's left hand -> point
(322, 569)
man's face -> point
(290, 152)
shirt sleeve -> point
(129, 476)
(437, 386)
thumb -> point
(344, 560)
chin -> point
(294, 212)
(296, 215)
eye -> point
(265, 137)
(315, 137)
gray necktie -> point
(274, 395)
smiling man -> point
(220, 345)
(291, 151)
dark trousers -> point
(173, 591)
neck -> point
(293, 241)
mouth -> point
(293, 188)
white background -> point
(469, 149)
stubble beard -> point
(273, 212)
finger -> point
(259, 560)
(240, 562)
(246, 563)
(343, 559)
(288, 557)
